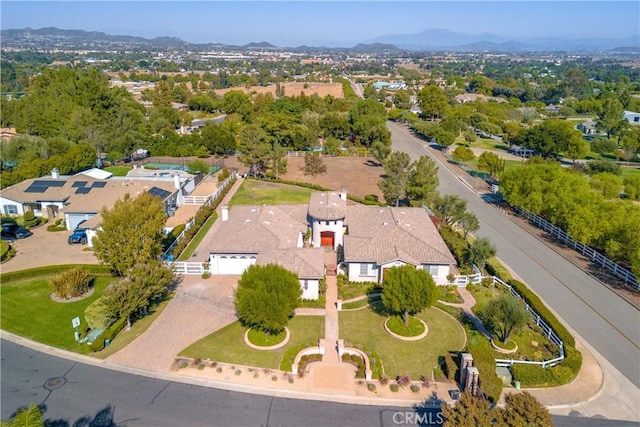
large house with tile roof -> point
(371, 238)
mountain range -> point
(432, 40)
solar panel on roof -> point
(35, 189)
(163, 194)
(83, 190)
(99, 184)
(79, 184)
(49, 183)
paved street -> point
(603, 319)
(71, 392)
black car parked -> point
(12, 231)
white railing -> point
(195, 200)
(182, 267)
(589, 252)
(546, 329)
(208, 200)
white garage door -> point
(73, 220)
(234, 264)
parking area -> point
(46, 248)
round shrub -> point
(71, 283)
(30, 220)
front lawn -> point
(254, 192)
(28, 311)
(227, 344)
(118, 170)
(414, 358)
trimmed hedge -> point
(30, 220)
(109, 334)
(50, 270)
(58, 225)
(6, 251)
(484, 360)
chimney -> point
(55, 173)
(225, 212)
(343, 195)
(176, 181)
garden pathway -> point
(467, 308)
(331, 311)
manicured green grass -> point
(450, 294)
(361, 303)
(193, 245)
(138, 328)
(227, 344)
(397, 326)
(414, 358)
(118, 170)
(28, 311)
(355, 289)
(626, 172)
(258, 337)
(489, 144)
(253, 192)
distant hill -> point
(375, 47)
(260, 45)
(441, 40)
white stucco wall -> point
(72, 220)
(318, 226)
(4, 202)
(377, 274)
(90, 235)
(310, 288)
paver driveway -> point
(199, 307)
(47, 248)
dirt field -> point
(294, 89)
(358, 175)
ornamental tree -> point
(131, 232)
(505, 315)
(407, 290)
(266, 297)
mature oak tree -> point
(266, 297)
(480, 251)
(131, 232)
(408, 290)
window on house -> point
(305, 284)
(367, 269)
(636, 119)
(431, 269)
(326, 222)
(11, 209)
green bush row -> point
(456, 244)
(49, 270)
(109, 334)
(6, 251)
(484, 360)
(537, 376)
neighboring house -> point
(372, 239)
(587, 127)
(80, 198)
(632, 118)
(519, 151)
(7, 133)
(553, 109)
(473, 97)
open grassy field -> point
(253, 192)
(227, 344)
(413, 358)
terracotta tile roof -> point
(382, 235)
(327, 205)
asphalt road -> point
(609, 323)
(73, 393)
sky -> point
(326, 23)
